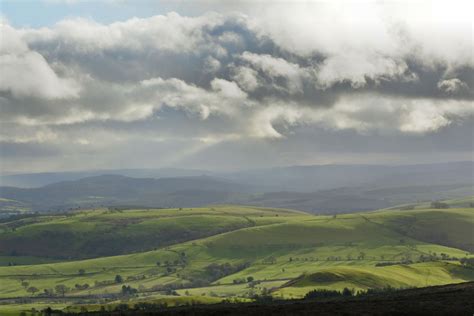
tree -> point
(32, 290)
(82, 271)
(128, 290)
(158, 263)
(346, 292)
(25, 284)
(61, 289)
(118, 278)
(250, 279)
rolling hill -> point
(234, 252)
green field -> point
(207, 254)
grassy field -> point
(283, 253)
(103, 232)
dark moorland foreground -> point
(454, 299)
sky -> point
(234, 84)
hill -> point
(309, 178)
(106, 232)
(377, 190)
(120, 190)
(238, 252)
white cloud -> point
(225, 97)
(358, 68)
(278, 68)
(171, 32)
(26, 73)
(246, 77)
(365, 113)
(384, 113)
(369, 38)
(25, 135)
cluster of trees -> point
(323, 293)
(249, 279)
(346, 292)
(181, 260)
(59, 289)
(291, 259)
(84, 286)
(169, 289)
(216, 271)
(361, 256)
(467, 261)
(432, 256)
(127, 290)
(392, 263)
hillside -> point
(284, 253)
(104, 232)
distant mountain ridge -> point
(308, 178)
(106, 190)
(31, 180)
(318, 189)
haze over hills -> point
(319, 189)
(291, 178)
(106, 190)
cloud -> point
(278, 68)
(25, 73)
(165, 33)
(365, 114)
(452, 86)
(247, 76)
